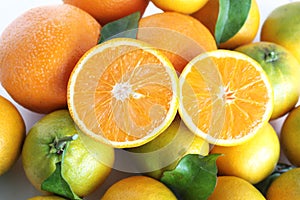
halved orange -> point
(123, 92)
(225, 97)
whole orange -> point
(282, 27)
(253, 160)
(55, 140)
(181, 37)
(283, 71)
(38, 51)
(208, 15)
(109, 10)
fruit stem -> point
(271, 56)
(282, 167)
(59, 145)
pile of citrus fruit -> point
(155, 89)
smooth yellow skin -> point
(138, 188)
(286, 186)
(253, 160)
(182, 6)
(282, 27)
(290, 137)
(12, 134)
(234, 188)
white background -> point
(13, 184)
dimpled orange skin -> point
(109, 10)
(38, 51)
(188, 27)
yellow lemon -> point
(137, 188)
(290, 137)
(234, 188)
(182, 6)
(12, 134)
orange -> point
(181, 6)
(290, 136)
(12, 134)
(282, 27)
(105, 11)
(225, 97)
(253, 160)
(38, 51)
(56, 139)
(286, 186)
(123, 92)
(179, 36)
(137, 188)
(208, 15)
(234, 188)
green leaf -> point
(56, 183)
(232, 16)
(194, 177)
(124, 27)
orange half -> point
(123, 92)
(225, 97)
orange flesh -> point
(245, 97)
(131, 98)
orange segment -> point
(225, 97)
(123, 92)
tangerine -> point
(105, 11)
(180, 37)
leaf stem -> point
(59, 144)
(271, 56)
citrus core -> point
(129, 98)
